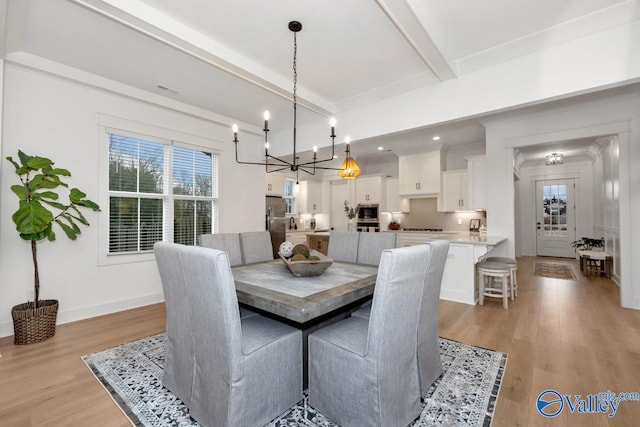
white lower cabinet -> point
(459, 278)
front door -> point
(555, 218)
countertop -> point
(310, 231)
(456, 236)
(469, 237)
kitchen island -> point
(465, 250)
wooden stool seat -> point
(488, 273)
(513, 267)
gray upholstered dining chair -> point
(343, 246)
(365, 371)
(429, 361)
(228, 242)
(256, 246)
(179, 359)
(245, 371)
(371, 245)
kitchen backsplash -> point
(424, 214)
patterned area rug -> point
(553, 270)
(465, 394)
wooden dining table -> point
(270, 286)
(308, 303)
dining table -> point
(307, 303)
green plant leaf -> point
(51, 236)
(17, 166)
(81, 217)
(89, 204)
(48, 195)
(71, 234)
(31, 217)
(36, 163)
(24, 158)
(58, 171)
(71, 223)
(38, 236)
(35, 182)
(55, 204)
(20, 191)
(76, 195)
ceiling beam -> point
(406, 21)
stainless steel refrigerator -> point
(275, 222)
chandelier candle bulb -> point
(235, 132)
(266, 121)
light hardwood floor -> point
(571, 336)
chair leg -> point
(481, 280)
(505, 291)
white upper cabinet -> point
(370, 190)
(420, 174)
(476, 170)
(454, 190)
(309, 197)
(274, 185)
(395, 203)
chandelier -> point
(349, 168)
(554, 159)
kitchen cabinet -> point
(296, 237)
(370, 190)
(274, 185)
(309, 197)
(419, 174)
(477, 171)
(454, 193)
(395, 203)
(459, 277)
(318, 242)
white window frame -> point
(169, 138)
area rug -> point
(465, 394)
(553, 270)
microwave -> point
(368, 212)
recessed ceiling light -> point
(380, 148)
(436, 138)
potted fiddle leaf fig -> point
(39, 209)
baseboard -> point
(66, 316)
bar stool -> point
(513, 267)
(488, 274)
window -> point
(289, 196)
(159, 190)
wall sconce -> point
(554, 159)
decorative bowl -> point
(308, 268)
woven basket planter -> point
(32, 325)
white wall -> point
(582, 172)
(58, 118)
(606, 208)
(618, 115)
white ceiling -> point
(235, 57)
